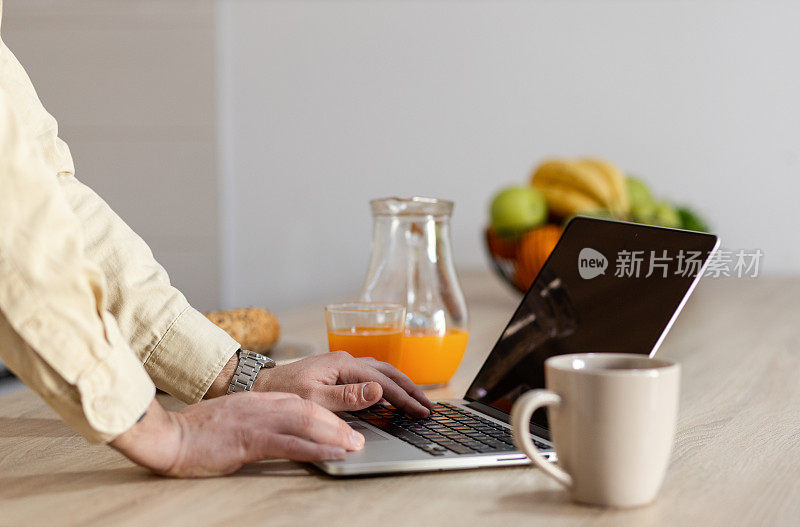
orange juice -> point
(429, 358)
(381, 343)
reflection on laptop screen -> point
(607, 287)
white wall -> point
(132, 85)
(328, 104)
(324, 105)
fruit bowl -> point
(517, 261)
(526, 220)
(503, 266)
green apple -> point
(515, 210)
(640, 195)
(666, 215)
(643, 213)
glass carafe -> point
(412, 265)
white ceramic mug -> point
(612, 422)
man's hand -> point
(217, 437)
(338, 381)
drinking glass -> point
(366, 329)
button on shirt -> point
(88, 318)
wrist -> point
(220, 385)
(263, 382)
(154, 441)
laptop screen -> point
(607, 287)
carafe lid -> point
(414, 206)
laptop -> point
(607, 286)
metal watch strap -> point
(250, 363)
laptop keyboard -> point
(448, 429)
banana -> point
(564, 201)
(582, 177)
(615, 180)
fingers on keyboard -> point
(448, 428)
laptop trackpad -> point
(368, 434)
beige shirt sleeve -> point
(181, 350)
(87, 316)
(55, 332)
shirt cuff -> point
(190, 356)
(115, 391)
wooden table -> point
(736, 459)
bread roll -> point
(255, 328)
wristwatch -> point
(250, 363)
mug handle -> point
(521, 415)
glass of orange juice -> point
(366, 329)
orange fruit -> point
(501, 247)
(533, 251)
